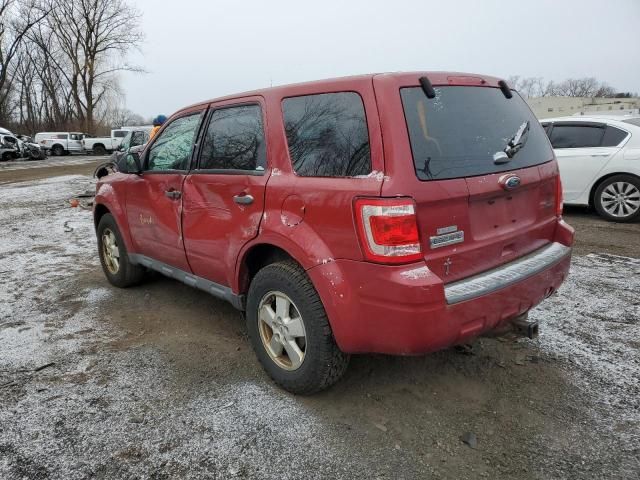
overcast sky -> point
(196, 50)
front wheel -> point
(618, 198)
(290, 332)
(113, 255)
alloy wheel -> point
(110, 251)
(282, 330)
(621, 199)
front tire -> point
(113, 255)
(290, 332)
(618, 198)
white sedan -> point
(599, 159)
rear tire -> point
(57, 151)
(6, 156)
(316, 362)
(617, 199)
(99, 150)
(114, 257)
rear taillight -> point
(558, 196)
(388, 229)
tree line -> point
(60, 60)
(589, 87)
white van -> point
(61, 143)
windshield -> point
(633, 121)
(469, 131)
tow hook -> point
(524, 326)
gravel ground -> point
(159, 381)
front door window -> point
(172, 149)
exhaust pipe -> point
(523, 326)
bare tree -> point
(95, 37)
(17, 18)
(119, 116)
(572, 87)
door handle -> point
(173, 194)
(243, 199)
(600, 155)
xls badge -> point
(446, 236)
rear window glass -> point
(576, 136)
(613, 136)
(460, 131)
(327, 135)
(633, 121)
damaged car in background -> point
(13, 147)
(287, 203)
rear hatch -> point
(487, 182)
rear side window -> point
(327, 135)
(576, 136)
(613, 137)
(460, 132)
(234, 140)
(120, 133)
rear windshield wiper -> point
(514, 145)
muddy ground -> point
(159, 381)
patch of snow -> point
(38, 255)
(593, 324)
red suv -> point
(392, 213)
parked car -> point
(31, 150)
(134, 138)
(9, 146)
(104, 145)
(393, 213)
(599, 160)
(60, 143)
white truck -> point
(60, 143)
(104, 145)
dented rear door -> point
(223, 197)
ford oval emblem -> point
(510, 182)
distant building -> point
(546, 107)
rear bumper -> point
(407, 310)
(506, 275)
